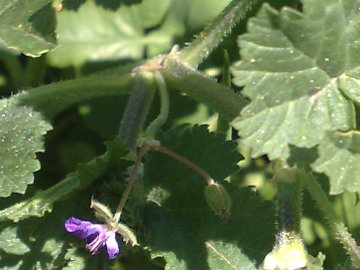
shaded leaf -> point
(21, 137)
(182, 228)
(45, 239)
(339, 159)
(27, 26)
(291, 63)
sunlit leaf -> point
(291, 66)
(339, 159)
(21, 137)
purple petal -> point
(96, 243)
(82, 229)
(112, 246)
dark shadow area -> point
(107, 4)
(185, 215)
(115, 4)
(301, 157)
(72, 4)
(166, 233)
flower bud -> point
(218, 199)
(288, 254)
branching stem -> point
(146, 147)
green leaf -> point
(44, 239)
(117, 35)
(10, 243)
(27, 26)
(86, 173)
(339, 159)
(291, 67)
(181, 227)
(21, 137)
(128, 32)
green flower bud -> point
(218, 199)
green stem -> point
(223, 125)
(196, 168)
(289, 206)
(35, 71)
(214, 33)
(54, 98)
(338, 227)
(15, 69)
(203, 89)
(164, 107)
(289, 200)
(143, 150)
(137, 108)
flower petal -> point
(82, 229)
(112, 246)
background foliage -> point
(64, 73)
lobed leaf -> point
(10, 243)
(181, 227)
(86, 173)
(40, 242)
(339, 158)
(292, 68)
(21, 137)
(27, 26)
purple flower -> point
(96, 235)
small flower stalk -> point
(103, 235)
(218, 199)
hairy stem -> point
(223, 125)
(53, 98)
(289, 206)
(214, 33)
(338, 227)
(202, 89)
(137, 108)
